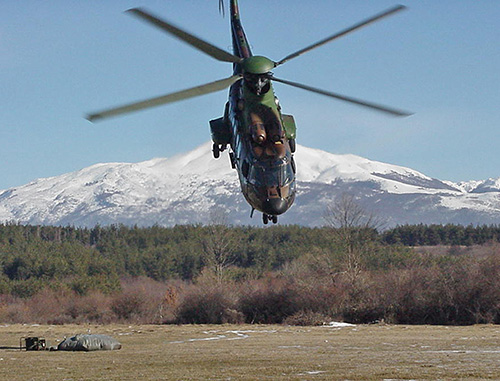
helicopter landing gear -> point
(232, 159)
(217, 149)
(267, 217)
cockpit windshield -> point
(271, 173)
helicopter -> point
(261, 139)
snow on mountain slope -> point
(184, 188)
(128, 193)
(319, 166)
(490, 185)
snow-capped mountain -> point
(185, 188)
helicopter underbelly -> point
(263, 199)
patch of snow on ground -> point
(337, 324)
(311, 372)
(239, 335)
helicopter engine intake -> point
(257, 129)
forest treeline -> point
(218, 273)
(450, 235)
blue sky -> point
(62, 59)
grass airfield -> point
(251, 352)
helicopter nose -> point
(275, 206)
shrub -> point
(26, 288)
(93, 307)
(307, 318)
(268, 301)
(206, 306)
(103, 283)
(5, 287)
(127, 306)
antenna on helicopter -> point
(221, 8)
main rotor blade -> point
(343, 33)
(208, 88)
(359, 102)
(194, 41)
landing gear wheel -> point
(265, 218)
(216, 151)
(292, 144)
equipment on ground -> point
(32, 343)
(89, 342)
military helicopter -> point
(261, 138)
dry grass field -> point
(252, 352)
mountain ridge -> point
(186, 187)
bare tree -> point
(219, 244)
(346, 213)
(353, 228)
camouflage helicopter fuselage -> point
(262, 139)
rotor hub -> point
(257, 65)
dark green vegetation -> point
(220, 274)
(451, 235)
